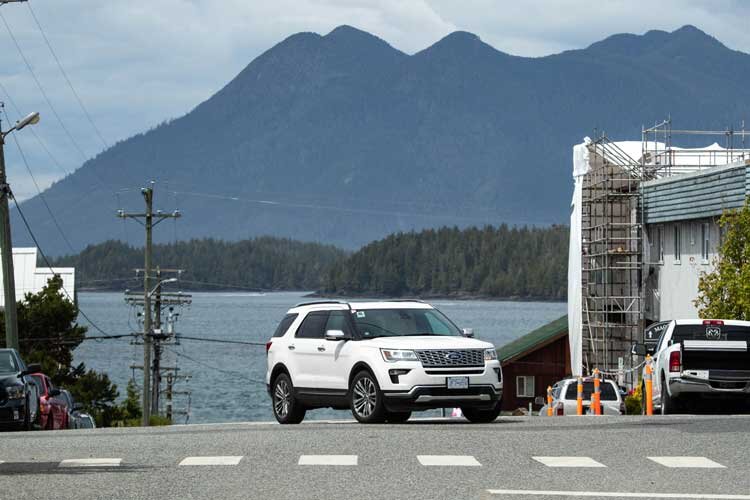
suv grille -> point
(446, 358)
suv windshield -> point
(7, 363)
(402, 322)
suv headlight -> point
(393, 355)
(490, 354)
(15, 392)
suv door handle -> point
(321, 348)
(291, 347)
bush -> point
(633, 404)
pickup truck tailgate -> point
(724, 360)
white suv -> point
(382, 360)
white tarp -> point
(575, 277)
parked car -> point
(382, 360)
(85, 421)
(565, 397)
(19, 396)
(698, 360)
(53, 410)
(73, 408)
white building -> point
(31, 279)
(643, 230)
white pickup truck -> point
(700, 359)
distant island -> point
(489, 262)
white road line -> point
(618, 494)
(227, 460)
(568, 462)
(91, 462)
(687, 462)
(328, 460)
(448, 460)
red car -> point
(53, 412)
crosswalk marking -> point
(687, 462)
(328, 460)
(448, 460)
(568, 462)
(91, 462)
(223, 460)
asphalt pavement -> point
(700, 457)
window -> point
(313, 325)
(284, 325)
(677, 243)
(706, 241)
(659, 244)
(7, 363)
(401, 322)
(692, 234)
(337, 321)
(525, 386)
(606, 388)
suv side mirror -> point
(336, 335)
(638, 349)
(467, 332)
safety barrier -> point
(550, 412)
(649, 383)
(596, 397)
(579, 397)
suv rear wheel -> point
(366, 399)
(397, 417)
(476, 416)
(286, 408)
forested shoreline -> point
(490, 262)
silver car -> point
(565, 393)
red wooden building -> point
(534, 362)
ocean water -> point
(225, 381)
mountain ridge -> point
(342, 138)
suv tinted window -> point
(7, 362)
(607, 391)
(284, 325)
(710, 332)
(313, 326)
(337, 320)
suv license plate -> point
(457, 382)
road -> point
(510, 459)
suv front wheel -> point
(366, 399)
(286, 408)
(476, 416)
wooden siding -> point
(696, 196)
(547, 364)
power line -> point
(39, 192)
(220, 341)
(220, 370)
(59, 340)
(65, 75)
(46, 260)
(41, 89)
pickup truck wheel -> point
(668, 403)
(286, 408)
(397, 417)
(366, 399)
(481, 416)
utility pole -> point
(148, 216)
(6, 248)
(157, 338)
(6, 245)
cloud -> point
(136, 63)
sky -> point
(137, 63)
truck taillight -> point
(713, 322)
(268, 346)
(560, 410)
(675, 361)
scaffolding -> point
(613, 233)
(611, 260)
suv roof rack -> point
(316, 302)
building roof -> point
(534, 340)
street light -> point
(6, 245)
(168, 280)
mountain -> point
(343, 139)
